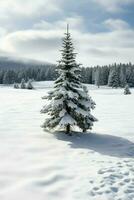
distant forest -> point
(12, 71)
(116, 75)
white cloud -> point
(16, 14)
(93, 48)
(113, 5)
(18, 7)
(75, 22)
(3, 31)
(116, 24)
(26, 32)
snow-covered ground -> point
(36, 165)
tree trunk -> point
(84, 130)
(68, 129)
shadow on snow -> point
(104, 144)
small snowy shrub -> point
(127, 90)
(23, 84)
(16, 86)
(29, 85)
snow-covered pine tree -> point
(98, 77)
(29, 85)
(122, 76)
(69, 103)
(113, 80)
(127, 90)
(23, 84)
(84, 119)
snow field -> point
(39, 165)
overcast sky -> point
(102, 30)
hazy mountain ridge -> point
(14, 69)
(15, 63)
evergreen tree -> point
(69, 103)
(130, 76)
(104, 75)
(9, 77)
(113, 80)
(98, 77)
(93, 76)
(84, 118)
(127, 90)
(23, 84)
(29, 85)
(122, 77)
(1, 76)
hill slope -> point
(16, 63)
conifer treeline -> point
(13, 75)
(116, 75)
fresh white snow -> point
(36, 165)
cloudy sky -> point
(102, 30)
